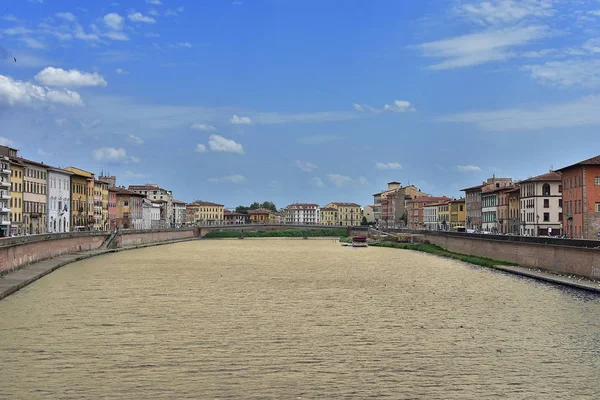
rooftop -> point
(429, 199)
(550, 176)
(589, 161)
(145, 187)
(300, 205)
(179, 202)
(343, 204)
(259, 211)
(206, 204)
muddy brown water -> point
(291, 319)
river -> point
(291, 319)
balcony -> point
(4, 196)
(5, 171)
(4, 210)
(4, 184)
(5, 222)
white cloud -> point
(36, 1)
(315, 117)
(114, 21)
(316, 181)
(91, 124)
(135, 160)
(13, 92)
(51, 76)
(305, 166)
(9, 17)
(173, 13)
(240, 120)
(390, 165)
(229, 179)
(121, 71)
(33, 43)
(154, 12)
(116, 35)
(66, 15)
(581, 112)
(200, 148)
(135, 139)
(132, 174)
(79, 33)
(399, 106)
(468, 168)
(342, 180)
(595, 13)
(219, 143)
(5, 142)
(497, 12)
(110, 154)
(480, 48)
(154, 2)
(186, 45)
(568, 73)
(139, 17)
(61, 121)
(18, 30)
(204, 127)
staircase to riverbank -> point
(110, 242)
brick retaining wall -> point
(132, 238)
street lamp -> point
(537, 227)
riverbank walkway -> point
(18, 279)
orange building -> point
(259, 216)
(414, 209)
(581, 199)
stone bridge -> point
(261, 227)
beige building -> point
(205, 213)
(390, 205)
(347, 214)
(16, 195)
(160, 196)
(368, 213)
(101, 221)
(34, 196)
(541, 205)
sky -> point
(312, 101)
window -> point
(597, 181)
(546, 217)
(545, 189)
(560, 202)
(597, 207)
(546, 203)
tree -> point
(364, 221)
(268, 205)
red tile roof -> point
(228, 213)
(589, 161)
(328, 209)
(303, 205)
(206, 204)
(145, 187)
(179, 202)
(343, 204)
(259, 211)
(429, 199)
(473, 187)
(550, 176)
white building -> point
(4, 197)
(153, 192)
(233, 218)
(179, 212)
(430, 216)
(303, 214)
(58, 200)
(150, 215)
(489, 211)
(541, 205)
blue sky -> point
(242, 101)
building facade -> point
(514, 210)
(59, 200)
(82, 201)
(457, 213)
(35, 197)
(155, 193)
(443, 215)
(581, 199)
(16, 196)
(259, 216)
(112, 208)
(347, 214)
(489, 211)
(541, 205)
(414, 210)
(180, 214)
(473, 200)
(5, 210)
(430, 216)
(101, 220)
(205, 213)
(151, 218)
(233, 218)
(391, 203)
(129, 212)
(328, 216)
(303, 214)
(368, 214)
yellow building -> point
(82, 199)
(205, 213)
(329, 216)
(259, 216)
(444, 215)
(101, 222)
(348, 214)
(457, 213)
(16, 196)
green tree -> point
(364, 221)
(268, 205)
